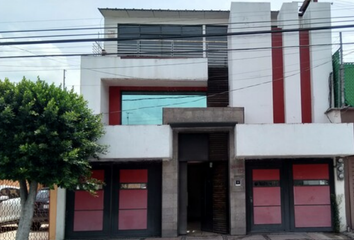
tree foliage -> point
(47, 134)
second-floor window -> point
(171, 41)
(146, 107)
(160, 40)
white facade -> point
(321, 64)
(250, 61)
(250, 86)
(99, 73)
(138, 142)
(288, 19)
(250, 65)
(293, 140)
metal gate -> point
(10, 210)
(290, 195)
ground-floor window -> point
(128, 204)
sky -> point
(18, 15)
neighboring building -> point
(342, 111)
(225, 134)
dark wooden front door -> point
(203, 182)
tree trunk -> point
(27, 207)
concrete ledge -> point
(294, 140)
(137, 142)
(203, 116)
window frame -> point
(115, 98)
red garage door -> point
(127, 205)
(312, 205)
(289, 195)
(133, 199)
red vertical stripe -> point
(114, 106)
(278, 78)
(305, 74)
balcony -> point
(144, 142)
(214, 50)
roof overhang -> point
(164, 13)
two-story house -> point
(215, 122)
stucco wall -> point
(294, 140)
(98, 73)
(250, 69)
(288, 19)
(138, 142)
(319, 15)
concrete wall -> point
(294, 140)
(169, 216)
(60, 217)
(250, 71)
(250, 61)
(339, 186)
(319, 15)
(238, 224)
(98, 73)
(213, 115)
(334, 115)
(288, 19)
(138, 142)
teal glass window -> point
(139, 108)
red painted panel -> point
(85, 201)
(267, 215)
(98, 174)
(278, 77)
(88, 221)
(305, 75)
(266, 196)
(132, 199)
(265, 174)
(133, 176)
(313, 216)
(115, 98)
(132, 219)
(311, 195)
(115, 106)
(310, 171)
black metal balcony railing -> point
(215, 51)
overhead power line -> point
(171, 32)
(252, 13)
(167, 52)
(176, 37)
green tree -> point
(47, 136)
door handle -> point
(251, 200)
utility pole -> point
(341, 72)
(64, 78)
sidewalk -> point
(266, 236)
